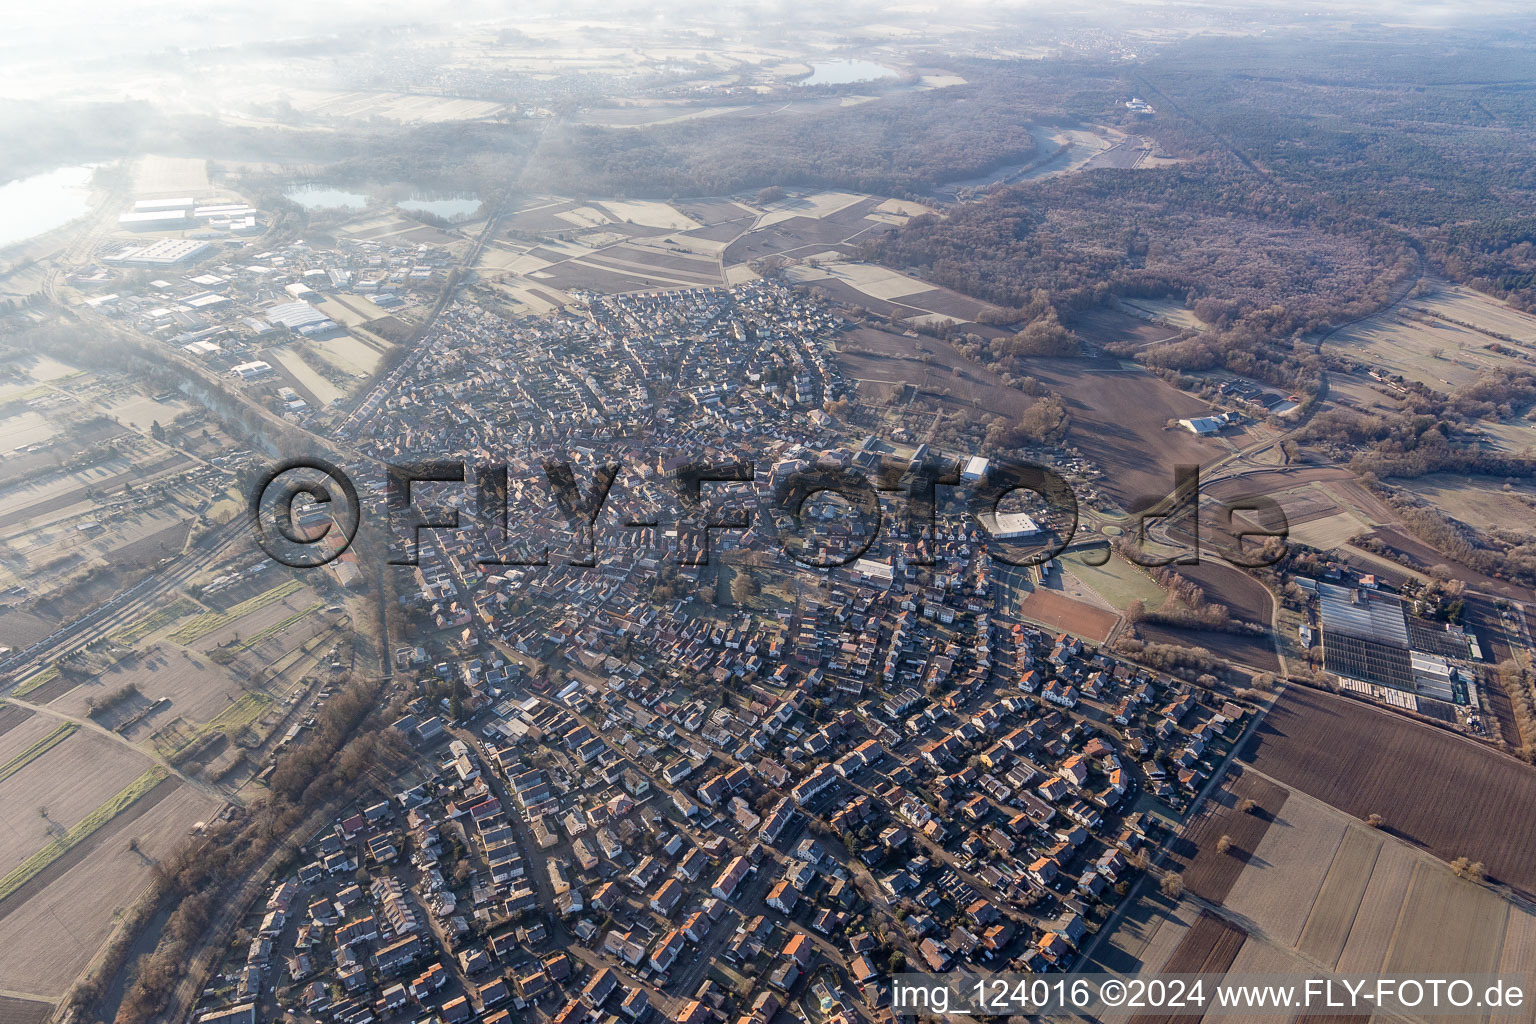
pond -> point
(32, 206)
(845, 72)
(319, 197)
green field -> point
(38, 681)
(1117, 581)
(241, 713)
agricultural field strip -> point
(182, 606)
(11, 716)
(1305, 834)
(1447, 925)
(1365, 950)
(37, 750)
(1519, 951)
(81, 831)
(207, 622)
(1338, 900)
(1212, 874)
(38, 681)
(276, 628)
(1209, 947)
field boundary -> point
(37, 750)
(38, 681)
(153, 621)
(207, 622)
(81, 831)
(275, 628)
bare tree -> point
(1472, 870)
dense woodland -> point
(1430, 134)
(898, 145)
(1320, 176)
(1261, 273)
(903, 142)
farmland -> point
(58, 781)
(1256, 652)
(1449, 795)
(1119, 417)
(201, 625)
(36, 750)
(66, 840)
(405, 108)
(1315, 890)
(1210, 873)
(170, 175)
(1477, 501)
(95, 491)
(554, 246)
(11, 716)
(1440, 339)
(1242, 595)
(196, 688)
(51, 927)
(1119, 411)
(1207, 948)
(87, 817)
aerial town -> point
(631, 800)
(609, 517)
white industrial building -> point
(159, 254)
(251, 371)
(1012, 526)
(154, 220)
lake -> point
(318, 197)
(846, 72)
(32, 206)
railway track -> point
(419, 346)
(121, 609)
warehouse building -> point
(159, 254)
